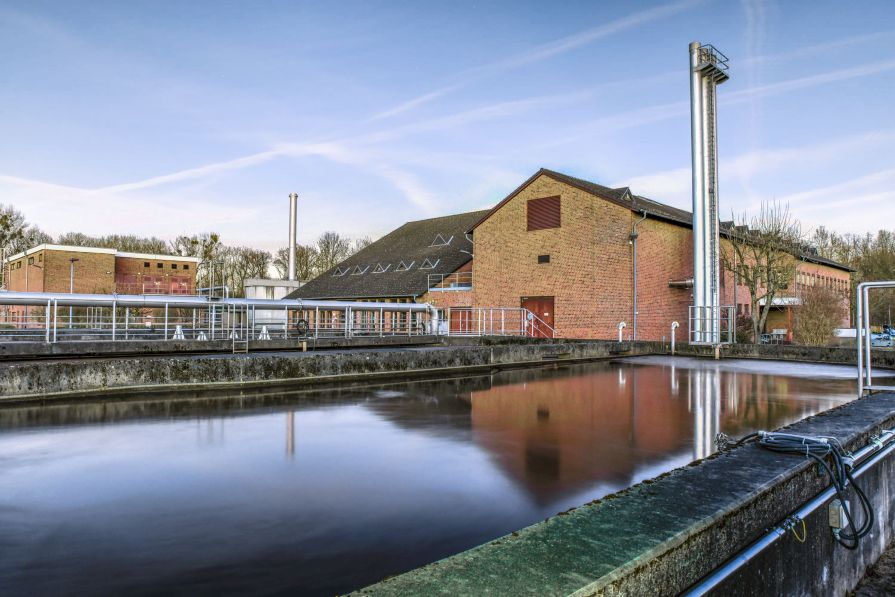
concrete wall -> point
(108, 377)
(663, 535)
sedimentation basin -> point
(251, 484)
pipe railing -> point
(621, 326)
(37, 317)
(495, 321)
(864, 337)
(674, 326)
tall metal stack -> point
(293, 226)
(708, 69)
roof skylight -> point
(404, 266)
(441, 241)
(381, 269)
(429, 264)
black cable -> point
(839, 470)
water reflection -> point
(281, 491)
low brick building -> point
(563, 248)
(92, 270)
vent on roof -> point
(440, 241)
(381, 269)
(429, 264)
(404, 266)
(358, 270)
(543, 213)
(341, 271)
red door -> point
(542, 308)
(461, 320)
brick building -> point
(563, 248)
(48, 268)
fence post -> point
(621, 326)
(166, 321)
(674, 326)
(47, 317)
(114, 326)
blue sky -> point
(169, 117)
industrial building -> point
(578, 255)
(96, 270)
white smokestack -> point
(293, 225)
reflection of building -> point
(563, 248)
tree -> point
(16, 235)
(332, 249)
(361, 243)
(241, 263)
(122, 242)
(305, 262)
(820, 312)
(761, 253)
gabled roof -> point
(637, 204)
(410, 244)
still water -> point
(316, 493)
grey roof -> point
(624, 197)
(410, 244)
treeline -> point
(220, 264)
(872, 256)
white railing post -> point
(621, 326)
(114, 326)
(674, 326)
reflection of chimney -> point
(293, 225)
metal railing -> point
(50, 317)
(455, 281)
(711, 327)
(495, 321)
(864, 337)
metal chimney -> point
(708, 69)
(293, 226)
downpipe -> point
(633, 239)
(865, 458)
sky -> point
(165, 117)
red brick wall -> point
(589, 274)
(94, 272)
(133, 277)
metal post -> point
(47, 317)
(316, 322)
(55, 319)
(347, 311)
(211, 311)
(381, 321)
(71, 285)
(674, 326)
(621, 326)
(166, 321)
(502, 318)
(113, 321)
(127, 317)
(867, 341)
(859, 334)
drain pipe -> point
(674, 325)
(879, 447)
(621, 326)
(633, 240)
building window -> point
(429, 264)
(186, 266)
(404, 266)
(40, 258)
(441, 241)
(543, 258)
(543, 213)
(18, 265)
(31, 261)
(145, 264)
(341, 271)
(173, 266)
(159, 265)
(358, 270)
(381, 269)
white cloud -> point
(543, 52)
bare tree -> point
(332, 249)
(361, 243)
(820, 312)
(305, 262)
(761, 253)
(122, 242)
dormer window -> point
(429, 264)
(404, 266)
(341, 271)
(358, 270)
(441, 241)
(381, 269)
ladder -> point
(239, 330)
